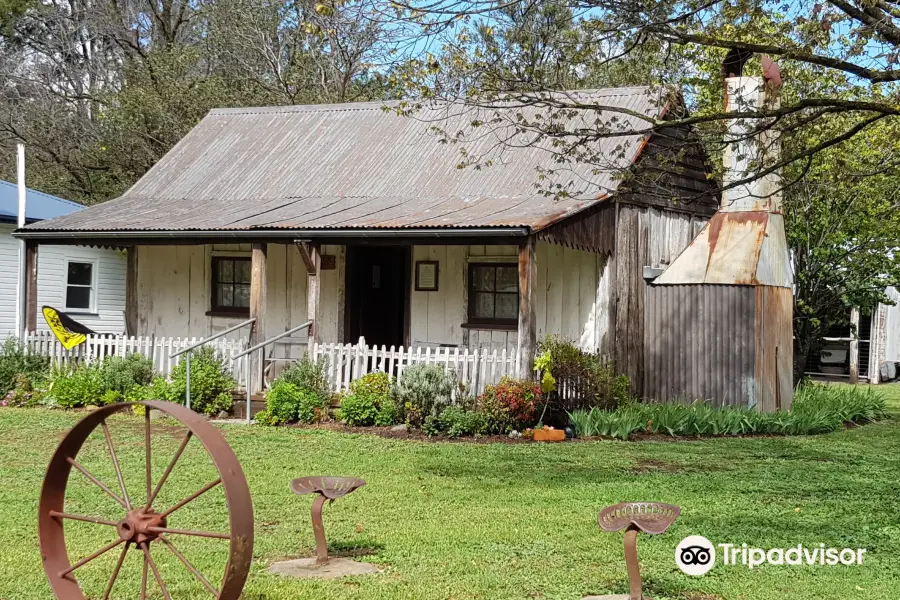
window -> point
(231, 285)
(80, 286)
(494, 294)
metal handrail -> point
(260, 346)
(213, 337)
(272, 339)
(187, 367)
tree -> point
(852, 44)
(100, 91)
(843, 227)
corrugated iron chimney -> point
(744, 244)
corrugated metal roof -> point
(39, 205)
(361, 165)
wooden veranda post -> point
(31, 285)
(131, 289)
(527, 339)
(258, 279)
(312, 259)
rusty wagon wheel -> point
(142, 525)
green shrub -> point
(110, 397)
(587, 378)
(309, 375)
(289, 403)
(456, 421)
(24, 393)
(211, 382)
(370, 401)
(122, 374)
(14, 361)
(817, 408)
(82, 386)
(510, 404)
(423, 391)
(158, 389)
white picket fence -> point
(158, 349)
(343, 362)
(474, 369)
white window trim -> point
(92, 310)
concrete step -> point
(239, 408)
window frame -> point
(493, 322)
(92, 304)
(215, 307)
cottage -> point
(87, 282)
(363, 222)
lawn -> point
(490, 521)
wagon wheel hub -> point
(138, 525)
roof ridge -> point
(381, 104)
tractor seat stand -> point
(650, 517)
(328, 489)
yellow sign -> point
(68, 338)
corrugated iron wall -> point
(774, 361)
(699, 342)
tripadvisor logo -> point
(696, 555)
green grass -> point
(488, 521)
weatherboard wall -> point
(173, 294)
(108, 315)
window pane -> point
(242, 271)
(507, 306)
(80, 273)
(224, 295)
(78, 297)
(242, 296)
(507, 279)
(483, 279)
(226, 270)
(484, 306)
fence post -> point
(854, 346)
(187, 378)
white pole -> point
(20, 282)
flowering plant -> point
(509, 404)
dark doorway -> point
(377, 291)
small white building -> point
(86, 282)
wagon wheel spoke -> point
(165, 475)
(206, 534)
(91, 557)
(115, 573)
(189, 566)
(193, 496)
(87, 519)
(95, 481)
(115, 462)
(149, 468)
(144, 578)
(159, 581)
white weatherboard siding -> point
(174, 293)
(174, 290)
(569, 298)
(108, 288)
(9, 268)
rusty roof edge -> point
(436, 232)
